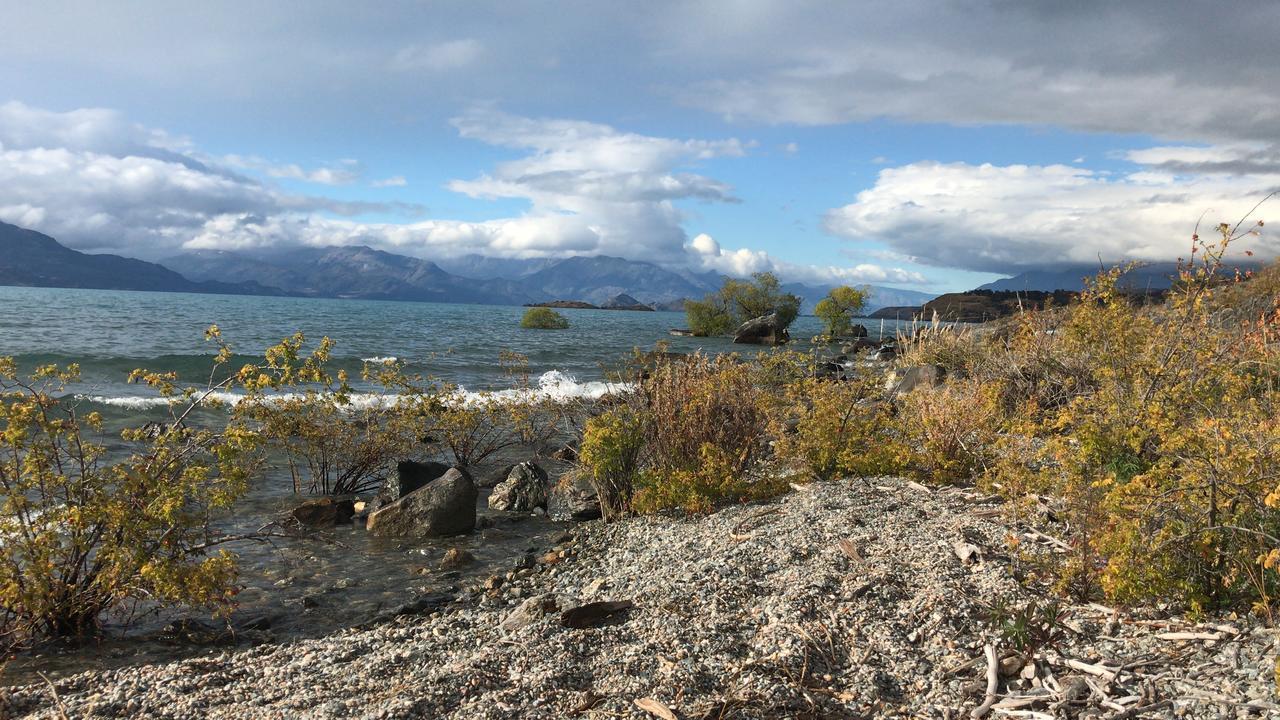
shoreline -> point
(754, 611)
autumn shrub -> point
(691, 435)
(84, 531)
(837, 309)
(1155, 428)
(336, 441)
(948, 430)
(838, 429)
(541, 318)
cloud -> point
(1008, 218)
(99, 183)
(1136, 67)
(706, 254)
(393, 181)
(591, 189)
(449, 55)
(344, 172)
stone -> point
(574, 498)
(929, 376)
(410, 476)
(525, 488)
(594, 613)
(455, 558)
(858, 331)
(527, 613)
(445, 506)
(324, 512)
(763, 330)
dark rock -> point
(525, 488)
(574, 498)
(764, 330)
(495, 479)
(861, 344)
(920, 376)
(595, 613)
(858, 331)
(446, 506)
(410, 476)
(887, 353)
(325, 512)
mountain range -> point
(34, 259)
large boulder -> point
(445, 506)
(764, 330)
(410, 476)
(920, 376)
(525, 488)
(858, 331)
(574, 498)
(325, 512)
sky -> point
(928, 145)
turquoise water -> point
(112, 332)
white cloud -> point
(1006, 218)
(591, 189)
(707, 254)
(791, 148)
(450, 55)
(393, 181)
(344, 172)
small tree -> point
(541, 318)
(81, 536)
(838, 308)
(737, 301)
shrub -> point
(336, 442)
(542, 318)
(949, 430)
(837, 309)
(83, 535)
(836, 429)
(737, 301)
(689, 436)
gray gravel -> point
(753, 612)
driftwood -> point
(993, 683)
(656, 708)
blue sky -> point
(926, 145)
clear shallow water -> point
(309, 587)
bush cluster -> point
(542, 318)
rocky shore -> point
(857, 598)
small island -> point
(617, 302)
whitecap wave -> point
(380, 360)
(553, 385)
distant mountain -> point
(1155, 276)
(29, 258)
(598, 279)
(33, 259)
(480, 267)
(352, 272)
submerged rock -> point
(525, 488)
(764, 330)
(325, 512)
(445, 506)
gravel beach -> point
(849, 599)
